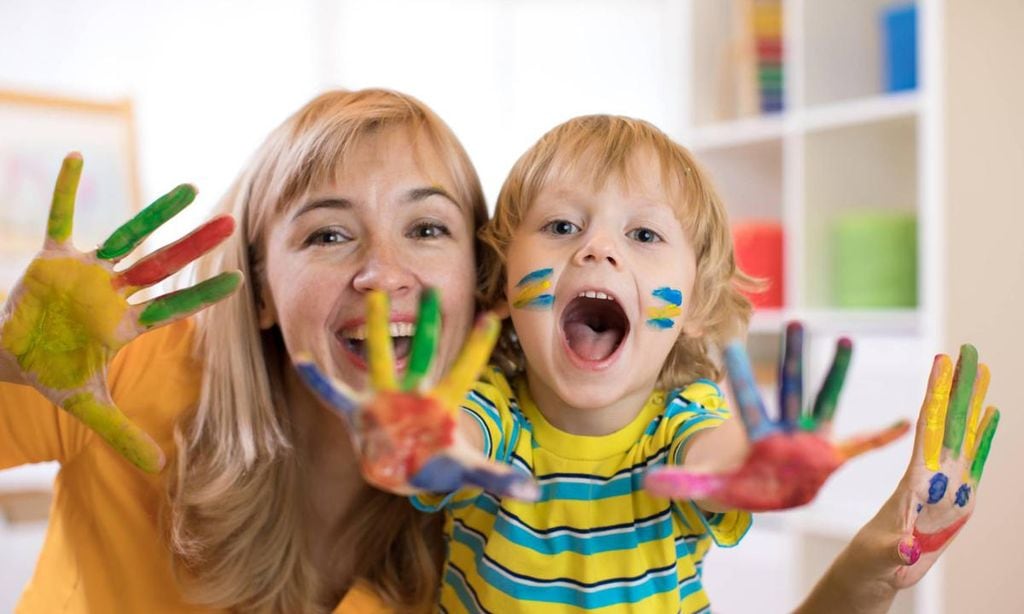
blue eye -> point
(429, 230)
(644, 235)
(561, 227)
(327, 236)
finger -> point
(445, 473)
(471, 361)
(855, 446)
(744, 389)
(378, 342)
(103, 417)
(908, 550)
(933, 411)
(973, 419)
(424, 341)
(183, 303)
(791, 379)
(174, 257)
(62, 207)
(989, 424)
(828, 397)
(676, 483)
(134, 231)
(963, 386)
(337, 396)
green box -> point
(875, 259)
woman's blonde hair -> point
(236, 500)
(593, 148)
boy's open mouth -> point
(354, 339)
(594, 325)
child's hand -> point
(69, 314)
(408, 436)
(790, 459)
(937, 494)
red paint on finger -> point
(174, 257)
(400, 433)
(931, 542)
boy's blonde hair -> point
(594, 148)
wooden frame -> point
(38, 130)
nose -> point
(383, 269)
(599, 248)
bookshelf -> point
(841, 144)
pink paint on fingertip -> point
(910, 550)
(675, 485)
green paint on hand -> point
(960, 399)
(62, 207)
(424, 342)
(114, 427)
(64, 323)
(827, 400)
(134, 231)
(189, 300)
(984, 445)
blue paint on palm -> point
(963, 495)
(669, 295)
(937, 487)
(920, 506)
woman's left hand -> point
(789, 459)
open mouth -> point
(594, 325)
(354, 340)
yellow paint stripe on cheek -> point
(129, 440)
(665, 311)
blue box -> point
(899, 37)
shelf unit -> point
(840, 144)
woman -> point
(261, 507)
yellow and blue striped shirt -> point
(596, 540)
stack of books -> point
(768, 46)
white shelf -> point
(738, 132)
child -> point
(613, 257)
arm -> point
(69, 314)
(932, 502)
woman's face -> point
(390, 222)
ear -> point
(265, 310)
(501, 309)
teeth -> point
(594, 294)
(395, 329)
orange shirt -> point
(104, 549)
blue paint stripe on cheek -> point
(534, 276)
(670, 295)
(660, 323)
(937, 487)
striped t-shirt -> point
(596, 540)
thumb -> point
(110, 423)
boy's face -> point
(599, 283)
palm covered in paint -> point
(408, 433)
(939, 490)
(789, 459)
(69, 314)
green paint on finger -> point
(959, 400)
(984, 445)
(189, 300)
(131, 233)
(827, 400)
(129, 440)
(424, 341)
(62, 208)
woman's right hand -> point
(69, 313)
(408, 435)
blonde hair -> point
(594, 148)
(236, 500)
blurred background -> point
(869, 153)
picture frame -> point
(38, 131)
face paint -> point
(660, 316)
(930, 542)
(67, 307)
(533, 290)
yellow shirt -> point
(105, 550)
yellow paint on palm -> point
(378, 339)
(935, 412)
(67, 314)
(115, 428)
(977, 398)
(471, 361)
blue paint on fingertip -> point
(440, 474)
(324, 389)
(937, 487)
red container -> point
(758, 246)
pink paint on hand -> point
(674, 483)
(932, 542)
(910, 550)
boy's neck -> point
(589, 421)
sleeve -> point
(700, 406)
(32, 429)
(487, 404)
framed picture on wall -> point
(37, 132)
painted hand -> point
(69, 314)
(408, 435)
(789, 459)
(937, 494)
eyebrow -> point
(413, 195)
